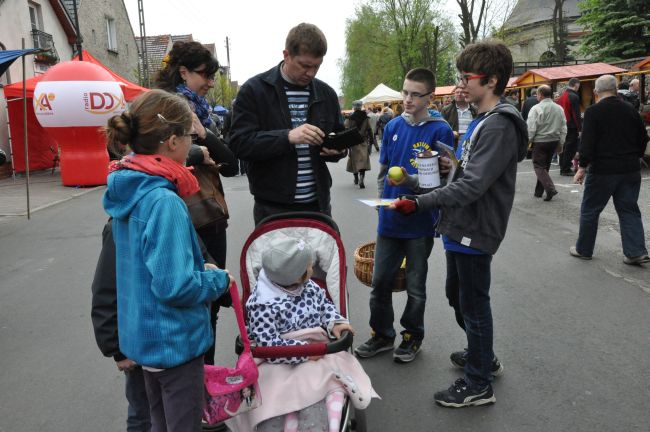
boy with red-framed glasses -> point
(476, 204)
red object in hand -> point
(406, 206)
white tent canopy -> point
(382, 93)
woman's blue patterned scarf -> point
(199, 104)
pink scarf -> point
(162, 166)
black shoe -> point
(550, 194)
(373, 346)
(356, 179)
(460, 394)
(459, 359)
(566, 173)
(361, 185)
(407, 350)
(538, 194)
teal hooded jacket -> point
(163, 290)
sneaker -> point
(373, 346)
(459, 359)
(460, 394)
(641, 259)
(407, 350)
(574, 252)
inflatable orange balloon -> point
(73, 102)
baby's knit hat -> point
(286, 260)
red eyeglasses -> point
(465, 78)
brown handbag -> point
(208, 205)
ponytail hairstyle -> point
(151, 119)
(192, 55)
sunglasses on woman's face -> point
(205, 75)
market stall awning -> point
(444, 90)
(382, 93)
(642, 66)
(565, 73)
(8, 57)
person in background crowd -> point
(189, 70)
(164, 287)
(459, 114)
(530, 102)
(373, 117)
(625, 94)
(570, 102)
(359, 160)
(613, 140)
(635, 87)
(278, 126)
(384, 118)
(547, 132)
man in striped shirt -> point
(278, 127)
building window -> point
(35, 16)
(112, 34)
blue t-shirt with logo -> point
(400, 145)
(452, 245)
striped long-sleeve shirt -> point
(298, 98)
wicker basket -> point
(364, 261)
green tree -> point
(222, 93)
(616, 29)
(387, 38)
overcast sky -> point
(256, 28)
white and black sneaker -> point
(460, 394)
(459, 359)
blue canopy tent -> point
(220, 110)
(6, 59)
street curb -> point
(43, 207)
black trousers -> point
(569, 151)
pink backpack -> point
(232, 391)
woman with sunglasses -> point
(189, 70)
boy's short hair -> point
(490, 58)
(424, 76)
(306, 39)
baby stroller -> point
(330, 271)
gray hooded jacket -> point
(476, 204)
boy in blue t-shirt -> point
(400, 236)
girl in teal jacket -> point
(163, 285)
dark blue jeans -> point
(468, 291)
(389, 254)
(138, 419)
(624, 189)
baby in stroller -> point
(287, 308)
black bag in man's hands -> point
(343, 140)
